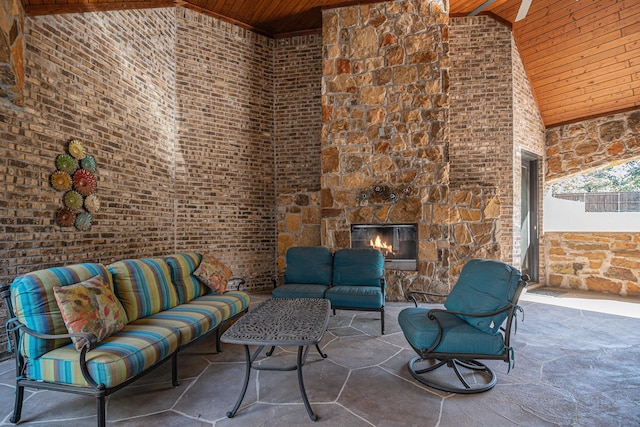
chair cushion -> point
(484, 286)
(187, 284)
(308, 264)
(355, 296)
(458, 335)
(114, 361)
(295, 290)
(35, 305)
(358, 267)
(143, 286)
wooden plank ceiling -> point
(582, 56)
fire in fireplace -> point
(397, 242)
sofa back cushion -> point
(35, 305)
(187, 285)
(358, 267)
(484, 286)
(143, 286)
(309, 265)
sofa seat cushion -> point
(296, 290)
(191, 320)
(143, 286)
(459, 336)
(355, 296)
(35, 305)
(187, 284)
(230, 303)
(114, 361)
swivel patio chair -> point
(468, 328)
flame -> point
(381, 246)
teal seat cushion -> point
(309, 264)
(358, 267)
(355, 296)
(296, 290)
(484, 286)
(458, 336)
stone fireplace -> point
(397, 242)
(384, 137)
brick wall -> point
(176, 108)
(493, 117)
(224, 175)
(297, 125)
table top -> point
(281, 321)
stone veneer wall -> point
(600, 262)
(493, 117)
(12, 53)
(385, 100)
(297, 118)
(182, 136)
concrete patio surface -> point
(577, 363)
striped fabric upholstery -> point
(143, 286)
(230, 303)
(35, 305)
(182, 267)
(191, 320)
(117, 358)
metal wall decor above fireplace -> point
(397, 242)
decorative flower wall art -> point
(75, 175)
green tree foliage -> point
(621, 178)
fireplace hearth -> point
(397, 242)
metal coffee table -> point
(297, 322)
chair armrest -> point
(431, 313)
(411, 295)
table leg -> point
(247, 374)
(313, 416)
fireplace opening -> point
(397, 242)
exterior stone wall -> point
(12, 53)
(598, 262)
(297, 118)
(581, 147)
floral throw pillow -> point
(90, 306)
(213, 273)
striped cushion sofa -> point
(167, 309)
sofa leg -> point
(174, 370)
(218, 348)
(382, 321)
(17, 408)
(100, 403)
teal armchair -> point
(475, 324)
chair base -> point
(484, 378)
